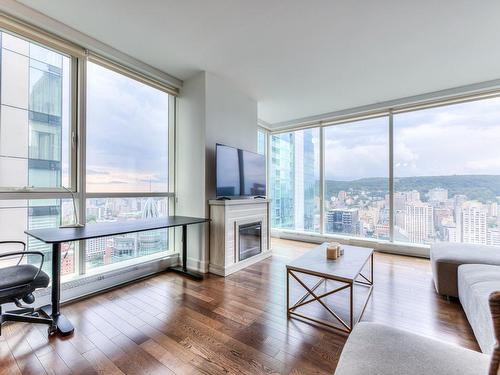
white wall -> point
(190, 164)
(210, 111)
(231, 119)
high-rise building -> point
(419, 222)
(412, 196)
(293, 181)
(341, 220)
(438, 195)
(31, 136)
(282, 181)
(474, 223)
(494, 237)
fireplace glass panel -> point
(250, 240)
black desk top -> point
(58, 235)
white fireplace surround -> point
(226, 217)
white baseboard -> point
(225, 271)
(197, 265)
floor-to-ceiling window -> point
(35, 151)
(57, 166)
(444, 185)
(127, 153)
(356, 184)
(294, 184)
(447, 173)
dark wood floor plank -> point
(172, 325)
(26, 359)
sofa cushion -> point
(377, 349)
(447, 256)
(475, 284)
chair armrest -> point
(22, 253)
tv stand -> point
(223, 199)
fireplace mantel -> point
(226, 217)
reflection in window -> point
(34, 118)
(18, 215)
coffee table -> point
(346, 272)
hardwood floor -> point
(171, 325)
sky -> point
(127, 134)
(127, 140)
(456, 139)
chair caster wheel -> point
(52, 330)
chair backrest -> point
(495, 313)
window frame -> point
(27, 34)
(78, 134)
(391, 245)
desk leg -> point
(64, 326)
(183, 269)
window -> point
(35, 152)
(128, 152)
(357, 178)
(34, 116)
(101, 252)
(127, 134)
(19, 215)
(295, 180)
(447, 174)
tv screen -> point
(228, 171)
(253, 174)
(239, 172)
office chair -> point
(18, 283)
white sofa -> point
(377, 349)
(446, 257)
(475, 284)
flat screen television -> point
(239, 173)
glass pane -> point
(111, 250)
(447, 174)
(18, 215)
(127, 134)
(357, 178)
(35, 115)
(295, 180)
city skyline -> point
(438, 148)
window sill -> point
(379, 245)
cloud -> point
(127, 129)
(357, 150)
(456, 139)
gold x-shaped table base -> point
(305, 300)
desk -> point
(56, 236)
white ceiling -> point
(299, 58)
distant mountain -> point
(484, 188)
